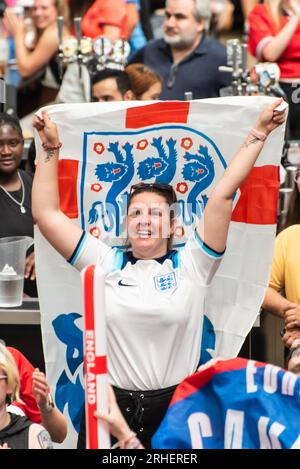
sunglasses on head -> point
(153, 185)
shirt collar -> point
(130, 257)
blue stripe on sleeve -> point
(118, 263)
(78, 249)
(206, 248)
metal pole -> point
(77, 24)
(60, 24)
(2, 94)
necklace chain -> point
(22, 208)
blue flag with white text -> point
(233, 404)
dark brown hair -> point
(79, 7)
(7, 119)
(293, 213)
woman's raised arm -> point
(214, 224)
(57, 228)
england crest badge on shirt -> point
(165, 282)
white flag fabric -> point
(106, 148)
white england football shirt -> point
(154, 310)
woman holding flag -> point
(155, 296)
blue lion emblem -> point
(208, 342)
(189, 160)
(161, 167)
(201, 170)
(119, 173)
(110, 172)
(68, 391)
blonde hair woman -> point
(16, 432)
(44, 16)
(274, 36)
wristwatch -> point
(48, 407)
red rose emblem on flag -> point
(186, 143)
(99, 148)
(95, 231)
(142, 144)
(182, 187)
(96, 187)
(179, 232)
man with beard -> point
(186, 58)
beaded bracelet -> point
(47, 146)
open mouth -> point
(144, 233)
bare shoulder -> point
(39, 437)
(50, 34)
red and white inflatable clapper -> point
(95, 360)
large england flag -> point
(106, 148)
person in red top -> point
(34, 393)
(274, 36)
(101, 17)
(25, 368)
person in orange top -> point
(102, 18)
(274, 36)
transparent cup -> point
(12, 267)
(4, 55)
(17, 10)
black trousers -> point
(143, 411)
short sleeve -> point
(278, 263)
(91, 250)
(200, 259)
(112, 13)
(101, 13)
(261, 30)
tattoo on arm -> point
(253, 141)
(49, 154)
